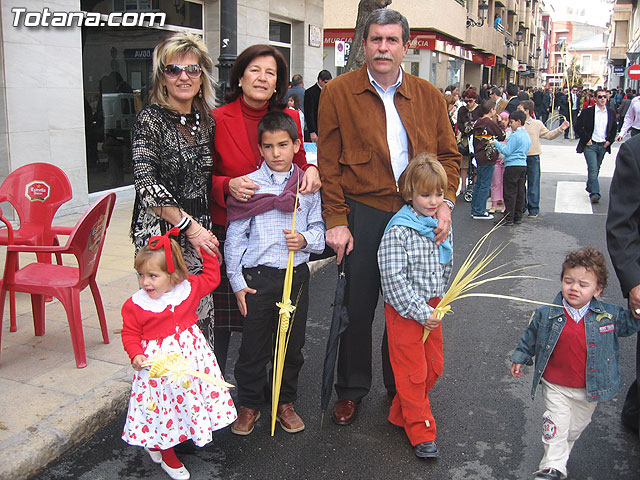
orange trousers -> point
(416, 367)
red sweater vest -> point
(568, 362)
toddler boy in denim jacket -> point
(576, 348)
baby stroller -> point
(467, 189)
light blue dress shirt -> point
(396, 133)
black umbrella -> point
(339, 323)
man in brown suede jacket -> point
(371, 123)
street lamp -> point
(483, 10)
(520, 32)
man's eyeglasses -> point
(174, 71)
(602, 96)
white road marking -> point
(571, 197)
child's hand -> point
(137, 362)
(432, 322)
(242, 302)
(295, 241)
(516, 370)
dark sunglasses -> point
(174, 71)
(602, 96)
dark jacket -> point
(583, 127)
(512, 105)
(311, 101)
(623, 220)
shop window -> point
(117, 71)
(280, 37)
(453, 71)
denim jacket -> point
(604, 323)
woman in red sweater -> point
(258, 83)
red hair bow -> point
(165, 242)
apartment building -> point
(69, 94)
(578, 55)
(455, 41)
(624, 44)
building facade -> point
(624, 44)
(474, 42)
(69, 94)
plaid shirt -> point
(411, 272)
(259, 240)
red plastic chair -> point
(65, 283)
(36, 192)
(12, 295)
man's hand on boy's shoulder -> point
(295, 240)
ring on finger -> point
(244, 195)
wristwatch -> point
(449, 203)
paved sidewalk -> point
(47, 404)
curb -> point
(30, 451)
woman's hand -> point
(137, 362)
(242, 188)
(310, 181)
(203, 240)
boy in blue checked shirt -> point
(414, 272)
(256, 251)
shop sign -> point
(138, 53)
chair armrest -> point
(37, 249)
(61, 230)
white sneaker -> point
(176, 473)
(484, 216)
(156, 455)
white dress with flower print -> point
(161, 413)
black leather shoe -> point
(427, 450)
(548, 474)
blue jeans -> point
(593, 154)
(533, 184)
(484, 174)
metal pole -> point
(228, 45)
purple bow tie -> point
(264, 202)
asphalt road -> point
(488, 426)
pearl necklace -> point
(196, 127)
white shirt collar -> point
(575, 313)
(278, 177)
(175, 297)
(376, 84)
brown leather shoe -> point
(344, 412)
(247, 418)
(288, 419)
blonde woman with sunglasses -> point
(172, 159)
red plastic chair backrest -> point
(36, 191)
(87, 238)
